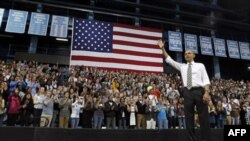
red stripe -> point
(135, 35)
(144, 54)
(138, 27)
(130, 70)
(135, 44)
(113, 60)
(126, 70)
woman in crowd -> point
(162, 110)
(27, 107)
(221, 114)
(235, 111)
(132, 109)
(65, 106)
(212, 114)
(98, 113)
(38, 106)
(14, 105)
(122, 113)
(181, 114)
(76, 107)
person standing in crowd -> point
(248, 113)
(181, 114)
(162, 109)
(221, 114)
(110, 109)
(228, 108)
(212, 114)
(4, 91)
(38, 106)
(98, 113)
(14, 105)
(150, 115)
(65, 105)
(172, 113)
(141, 119)
(48, 109)
(195, 91)
(235, 113)
(27, 107)
(76, 107)
(132, 109)
(56, 109)
(243, 112)
(2, 110)
(88, 112)
(122, 114)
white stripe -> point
(117, 56)
(137, 49)
(136, 31)
(133, 39)
(117, 65)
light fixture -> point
(62, 39)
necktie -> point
(189, 76)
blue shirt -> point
(162, 114)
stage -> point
(57, 134)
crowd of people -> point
(43, 95)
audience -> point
(34, 94)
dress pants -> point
(192, 98)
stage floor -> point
(57, 134)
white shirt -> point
(38, 101)
(76, 108)
(199, 73)
(228, 108)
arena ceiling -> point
(193, 14)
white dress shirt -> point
(199, 73)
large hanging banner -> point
(38, 24)
(233, 49)
(1, 15)
(174, 41)
(206, 45)
(244, 50)
(59, 26)
(191, 42)
(220, 47)
(16, 21)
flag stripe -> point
(134, 44)
(117, 65)
(112, 60)
(139, 30)
(116, 56)
(135, 35)
(132, 39)
(118, 51)
(137, 49)
(127, 70)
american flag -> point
(115, 46)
